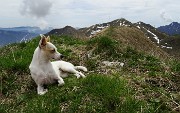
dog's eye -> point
(52, 51)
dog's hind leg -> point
(82, 68)
(81, 74)
(78, 74)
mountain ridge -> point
(8, 37)
(19, 34)
(150, 32)
(160, 39)
(29, 29)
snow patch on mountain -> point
(138, 27)
(94, 32)
(155, 36)
(98, 29)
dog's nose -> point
(62, 56)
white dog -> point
(43, 71)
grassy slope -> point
(144, 84)
(134, 37)
(173, 42)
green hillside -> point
(149, 82)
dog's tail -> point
(81, 68)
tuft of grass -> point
(105, 46)
(91, 64)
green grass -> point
(175, 65)
(105, 46)
(110, 49)
(140, 86)
(91, 64)
(144, 63)
(114, 93)
(96, 93)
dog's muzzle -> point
(58, 56)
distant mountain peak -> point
(121, 19)
(67, 30)
(175, 24)
(171, 29)
(140, 22)
(67, 27)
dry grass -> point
(130, 36)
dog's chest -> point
(49, 76)
(47, 70)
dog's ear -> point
(42, 35)
(42, 42)
(48, 39)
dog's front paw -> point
(78, 77)
(43, 92)
(84, 76)
(61, 83)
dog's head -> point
(49, 49)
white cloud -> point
(96, 11)
(42, 23)
(80, 13)
(165, 16)
(38, 10)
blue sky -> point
(84, 13)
